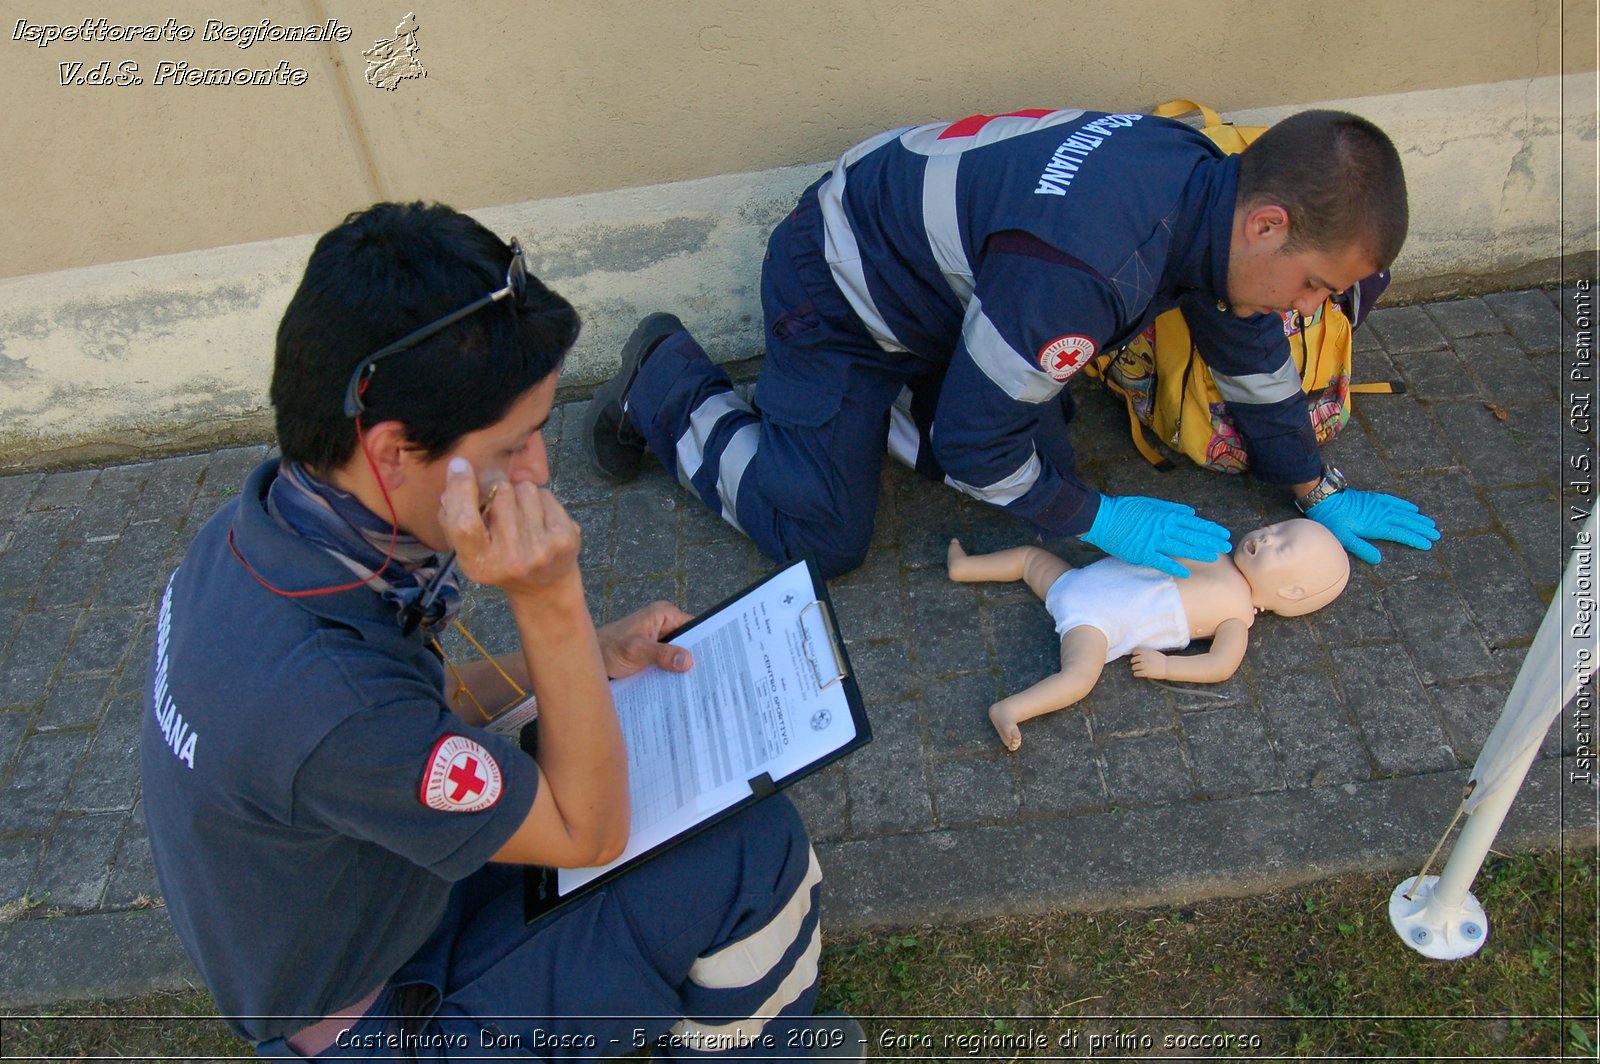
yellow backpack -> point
(1167, 387)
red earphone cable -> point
(394, 537)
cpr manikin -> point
(1110, 609)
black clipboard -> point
(824, 651)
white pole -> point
(1439, 917)
(1479, 834)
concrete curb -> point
(1176, 854)
(1180, 853)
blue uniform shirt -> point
(1010, 249)
(309, 796)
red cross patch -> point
(1065, 355)
(462, 776)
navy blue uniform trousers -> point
(615, 970)
(799, 471)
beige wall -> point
(531, 100)
(642, 151)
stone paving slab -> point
(1340, 744)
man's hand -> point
(1356, 516)
(522, 540)
(634, 642)
(1152, 532)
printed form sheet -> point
(759, 699)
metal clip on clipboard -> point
(825, 677)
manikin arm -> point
(1214, 666)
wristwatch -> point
(1332, 483)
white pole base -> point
(1442, 932)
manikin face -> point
(1289, 562)
(510, 449)
(1264, 277)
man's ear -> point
(391, 452)
(1268, 222)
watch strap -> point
(1332, 483)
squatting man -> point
(340, 851)
(932, 295)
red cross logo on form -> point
(461, 777)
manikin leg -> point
(1083, 656)
(1083, 649)
(1035, 566)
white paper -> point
(761, 698)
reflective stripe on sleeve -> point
(1261, 388)
(1004, 492)
(1001, 363)
(940, 218)
(943, 227)
(944, 138)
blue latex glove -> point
(1152, 532)
(1354, 516)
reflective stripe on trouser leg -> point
(618, 967)
(788, 945)
(905, 442)
(715, 449)
(705, 435)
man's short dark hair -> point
(1337, 175)
(383, 273)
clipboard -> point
(801, 628)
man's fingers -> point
(544, 511)
(531, 505)
(1406, 536)
(1168, 566)
(458, 506)
(1413, 530)
(1396, 505)
(1196, 538)
(668, 617)
(1200, 548)
(1419, 527)
(1362, 549)
(671, 658)
(496, 497)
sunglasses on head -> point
(516, 285)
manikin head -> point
(1293, 567)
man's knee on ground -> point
(836, 555)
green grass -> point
(1312, 973)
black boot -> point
(615, 448)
